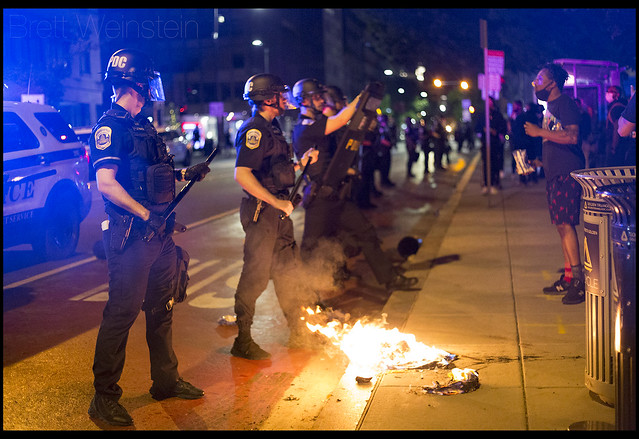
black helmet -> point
(133, 68)
(408, 246)
(263, 86)
(305, 88)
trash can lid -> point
(622, 197)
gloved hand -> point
(156, 223)
(196, 172)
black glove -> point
(156, 223)
(196, 172)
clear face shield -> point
(286, 97)
(156, 90)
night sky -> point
(529, 37)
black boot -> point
(109, 411)
(245, 347)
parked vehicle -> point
(45, 179)
(177, 146)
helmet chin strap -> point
(312, 108)
(277, 104)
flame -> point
(372, 348)
(457, 374)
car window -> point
(16, 135)
(57, 126)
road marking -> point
(93, 258)
(48, 273)
(192, 289)
(101, 292)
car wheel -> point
(58, 237)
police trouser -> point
(326, 216)
(270, 252)
(141, 276)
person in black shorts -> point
(561, 155)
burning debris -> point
(373, 349)
(227, 320)
(459, 381)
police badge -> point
(253, 138)
(102, 138)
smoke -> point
(322, 263)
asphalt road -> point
(52, 311)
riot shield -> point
(361, 123)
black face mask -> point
(543, 94)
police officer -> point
(265, 170)
(136, 178)
(329, 211)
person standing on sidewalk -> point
(560, 156)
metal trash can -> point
(622, 198)
(599, 374)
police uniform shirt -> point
(309, 133)
(256, 141)
(111, 141)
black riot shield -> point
(358, 126)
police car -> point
(45, 180)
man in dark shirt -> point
(560, 156)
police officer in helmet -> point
(265, 170)
(329, 210)
(136, 178)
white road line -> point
(191, 289)
(93, 258)
(49, 273)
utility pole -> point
(483, 39)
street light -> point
(438, 83)
(259, 43)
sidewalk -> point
(482, 300)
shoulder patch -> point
(102, 137)
(253, 138)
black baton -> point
(296, 187)
(173, 204)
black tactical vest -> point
(147, 172)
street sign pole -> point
(483, 37)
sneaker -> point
(494, 190)
(559, 287)
(182, 389)
(249, 350)
(575, 293)
(402, 282)
(109, 411)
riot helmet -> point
(133, 68)
(265, 86)
(334, 97)
(307, 88)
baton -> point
(296, 187)
(173, 204)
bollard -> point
(599, 373)
(622, 199)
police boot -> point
(245, 347)
(109, 411)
